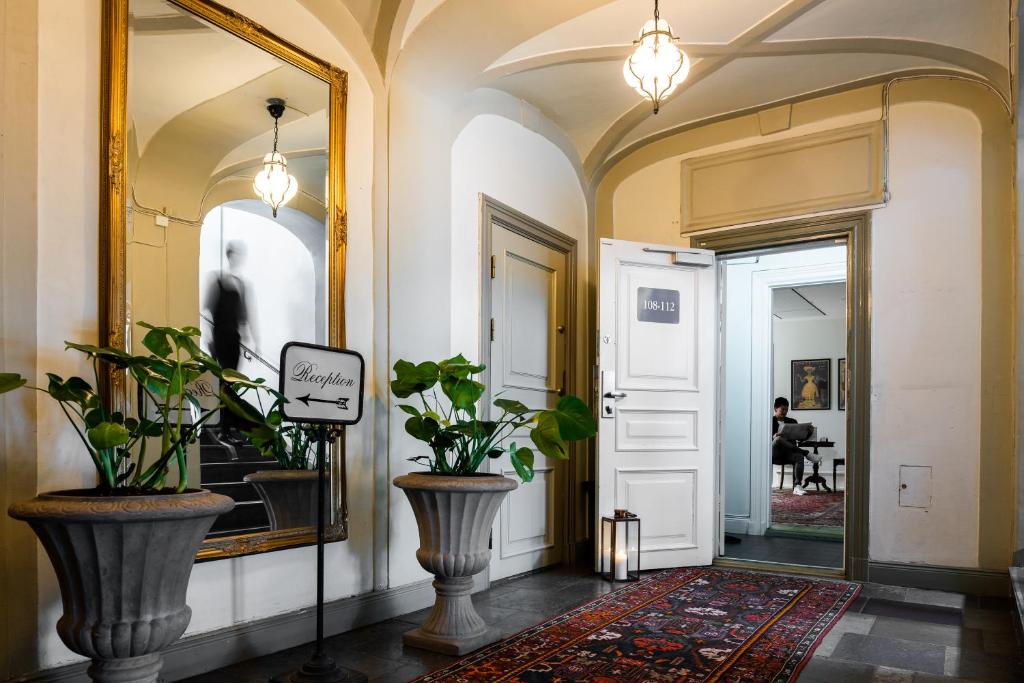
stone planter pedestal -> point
(454, 516)
(123, 564)
(290, 497)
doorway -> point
(784, 342)
(810, 347)
(528, 329)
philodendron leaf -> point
(422, 428)
(463, 393)
(548, 438)
(108, 435)
(458, 366)
(240, 407)
(575, 420)
(9, 381)
(522, 461)
(413, 379)
(411, 410)
(156, 341)
(511, 406)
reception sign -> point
(322, 384)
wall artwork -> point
(841, 397)
(811, 384)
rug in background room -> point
(815, 508)
(699, 623)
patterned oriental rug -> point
(816, 508)
(691, 624)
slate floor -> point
(804, 551)
(896, 635)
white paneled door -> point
(656, 349)
(527, 339)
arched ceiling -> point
(565, 57)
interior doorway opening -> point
(784, 352)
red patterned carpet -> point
(692, 624)
(816, 508)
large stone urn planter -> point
(454, 515)
(290, 497)
(123, 564)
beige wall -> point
(942, 326)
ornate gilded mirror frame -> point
(113, 322)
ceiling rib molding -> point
(920, 72)
(972, 61)
(774, 22)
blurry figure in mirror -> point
(228, 302)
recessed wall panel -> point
(665, 499)
(656, 430)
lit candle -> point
(620, 566)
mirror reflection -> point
(226, 231)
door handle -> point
(615, 394)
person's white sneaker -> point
(815, 458)
(799, 490)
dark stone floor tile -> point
(878, 590)
(926, 632)
(1001, 643)
(994, 602)
(901, 654)
(938, 598)
(981, 666)
(987, 619)
(822, 670)
(913, 612)
(929, 678)
(859, 604)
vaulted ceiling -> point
(565, 57)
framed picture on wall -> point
(841, 397)
(811, 384)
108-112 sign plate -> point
(655, 305)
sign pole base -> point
(321, 668)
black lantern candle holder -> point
(620, 547)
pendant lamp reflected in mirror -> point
(657, 65)
(273, 184)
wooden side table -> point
(816, 478)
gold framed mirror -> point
(222, 206)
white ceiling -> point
(815, 302)
(565, 57)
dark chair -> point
(836, 463)
(782, 473)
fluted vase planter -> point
(123, 564)
(289, 495)
(454, 515)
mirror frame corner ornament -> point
(113, 322)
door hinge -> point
(493, 266)
(492, 329)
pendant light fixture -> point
(657, 65)
(273, 184)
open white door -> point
(656, 347)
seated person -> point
(784, 448)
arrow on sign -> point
(342, 403)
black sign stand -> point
(321, 667)
(317, 360)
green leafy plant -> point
(290, 443)
(120, 446)
(459, 441)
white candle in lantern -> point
(620, 566)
